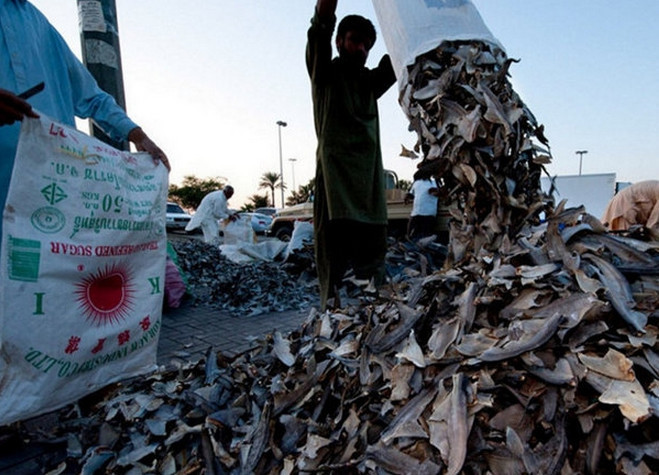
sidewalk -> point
(187, 332)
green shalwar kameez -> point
(350, 213)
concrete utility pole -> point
(99, 35)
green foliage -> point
(270, 181)
(190, 193)
(404, 185)
(256, 201)
(301, 195)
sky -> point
(208, 80)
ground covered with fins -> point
(516, 363)
(246, 289)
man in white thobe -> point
(213, 207)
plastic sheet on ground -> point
(246, 252)
(240, 247)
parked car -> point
(267, 210)
(177, 219)
(260, 222)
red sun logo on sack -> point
(106, 296)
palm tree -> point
(302, 194)
(270, 181)
(256, 201)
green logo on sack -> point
(24, 256)
(53, 193)
(48, 220)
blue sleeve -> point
(89, 100)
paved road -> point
(188, 332)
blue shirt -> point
(32, 51)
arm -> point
(220, 206)
(319, 40)
(144, 144)
(384, 76)
(326, 9)
(409, 196)
(89, 100)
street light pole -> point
(580, 153)
(293, 160)
(280, 124)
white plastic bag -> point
(302, 234)
(239, 230)
(245, 252)
(82, 268)
(414, 27)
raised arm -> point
(326, 8)
(319, 41)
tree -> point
(404, 185)
(190, 193)
(270, 181)
(302, 194)
(256, 201)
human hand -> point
(13, 108)
(144, 144)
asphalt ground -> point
(188, 332)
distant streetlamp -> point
(293, 160)
(280, 124)
(580, 153)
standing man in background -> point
(424, 193)
(350, 214)
(33, 52)
(213, 207)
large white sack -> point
(82, 268)
(302, 235)
(238, 231)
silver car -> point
(177, 219)
(267, 210)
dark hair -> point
(357, 24)
(424, 173)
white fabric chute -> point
(414, 27)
